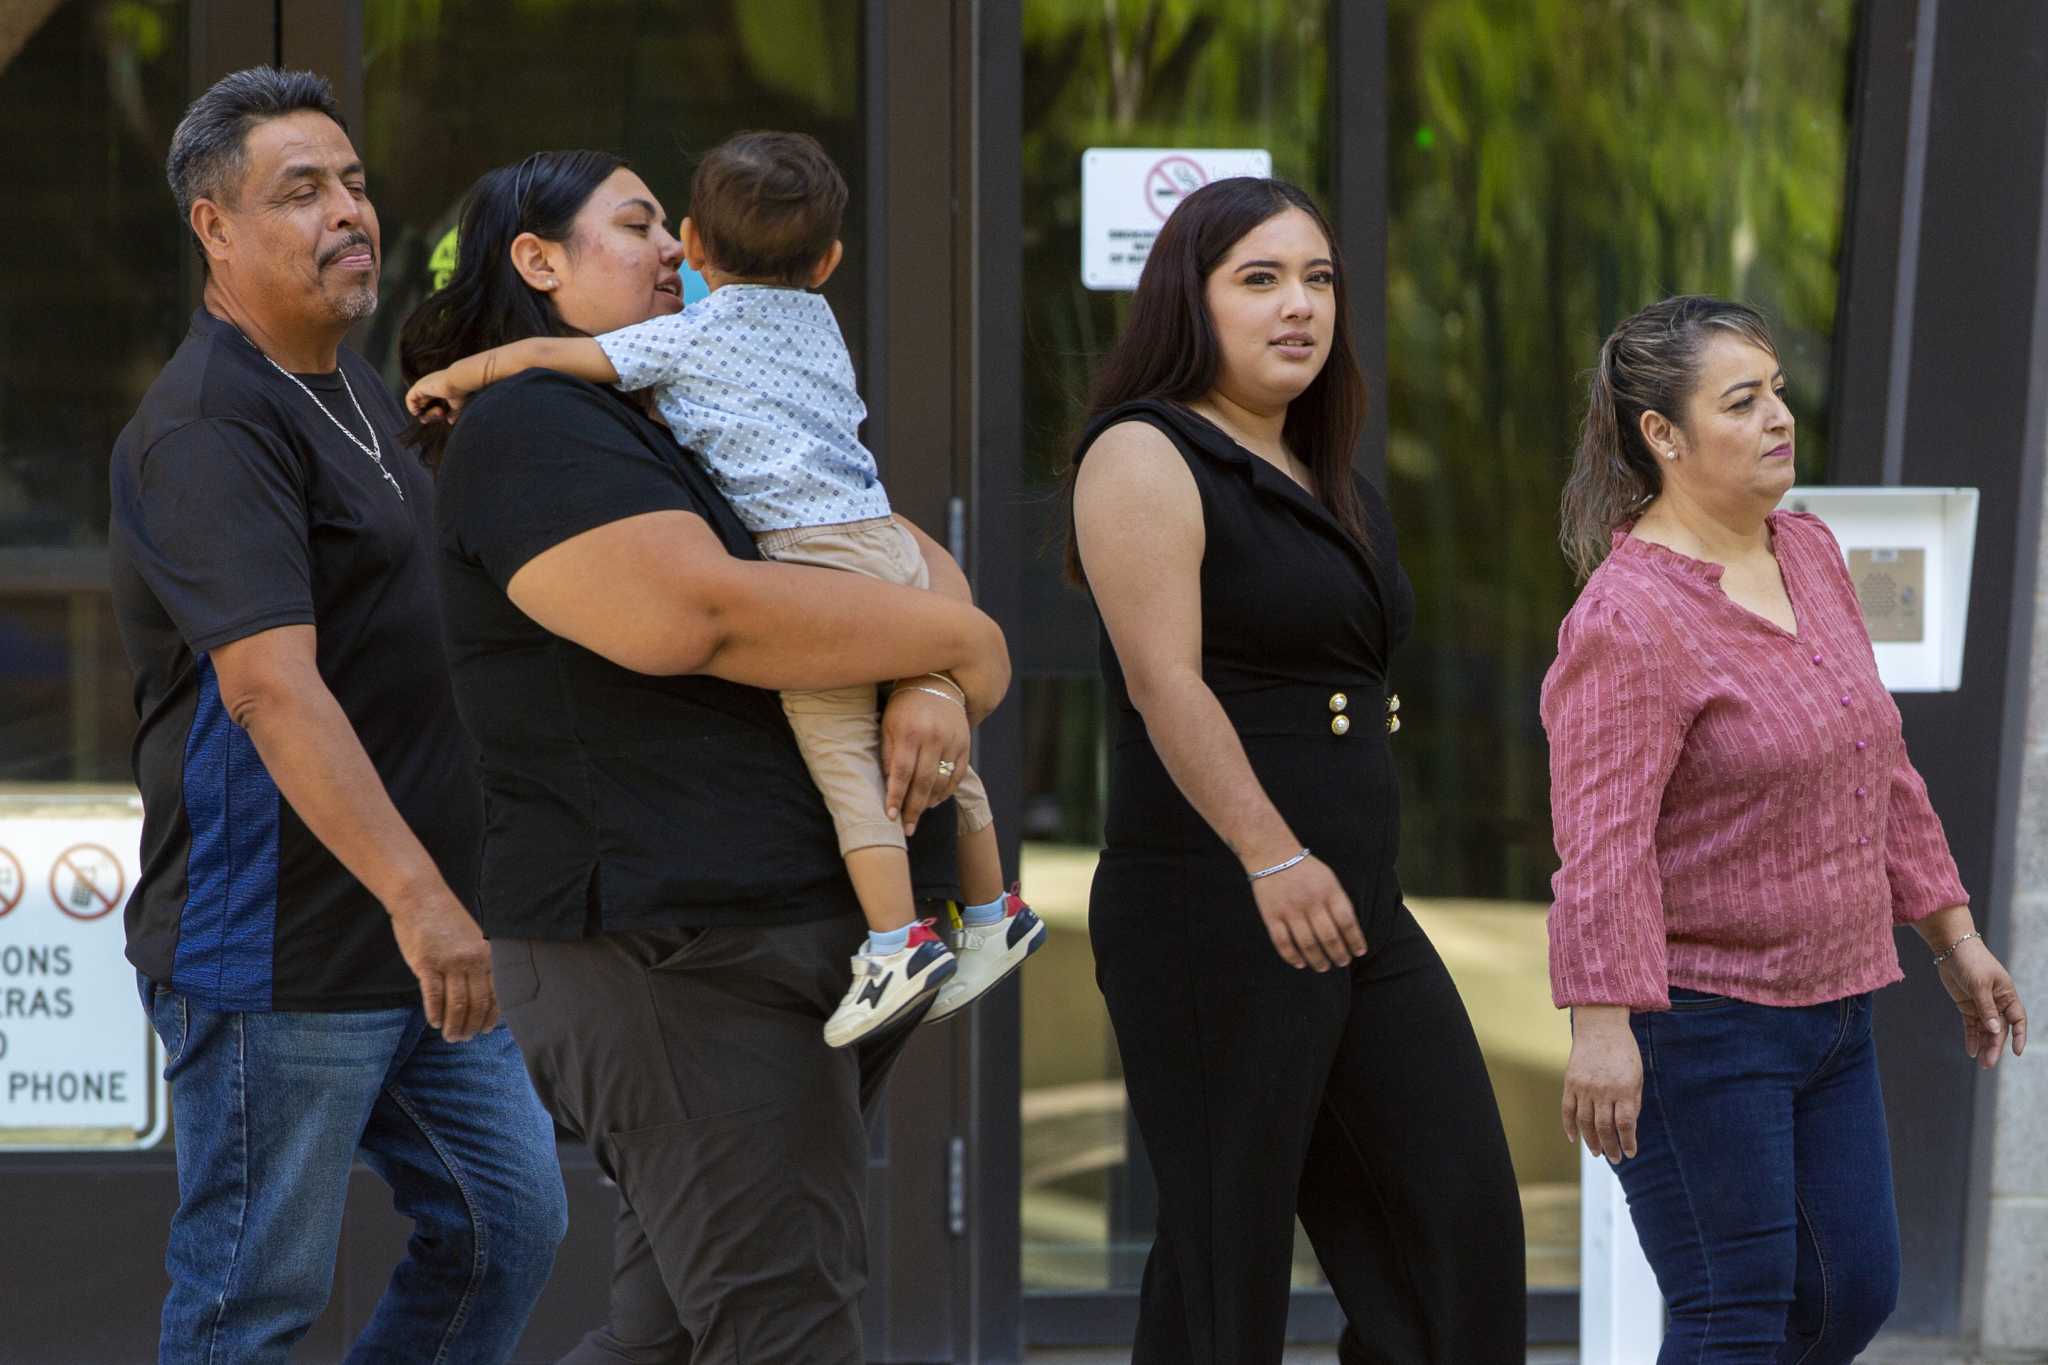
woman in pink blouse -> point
(1739, 828)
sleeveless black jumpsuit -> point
(1356, 1098)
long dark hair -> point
(485, 302)
(1169, 350)
(1650, 363)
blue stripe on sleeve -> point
(228, 929)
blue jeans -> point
(270, 1111)
(1762, 1182)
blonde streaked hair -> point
(1650, 363)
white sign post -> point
(1127, 193)
(1621, 1310)
(80, 1067)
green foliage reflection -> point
(1142, 73)
(1123, 73)
(1555, 165)
(454, 87)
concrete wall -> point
(2010, 1299)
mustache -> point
(348, 244)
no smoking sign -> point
(1128, 193)
(1172, 179)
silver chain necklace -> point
(375, 450)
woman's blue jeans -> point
(1762, 1182)
(271, 1111)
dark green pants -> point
(693, 1063)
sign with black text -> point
(1127, 194)
(80, 1066)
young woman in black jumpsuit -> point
(1291, 1042)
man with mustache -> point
(302, 929)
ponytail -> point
(1650, 363)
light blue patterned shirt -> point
(756, 381)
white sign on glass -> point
(1909, 552)
(80, 1067)
(1127, 193)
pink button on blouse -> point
(1730, 817)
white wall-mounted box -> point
(1910, 550)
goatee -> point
(358, 303)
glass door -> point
(1551, 170)
(1548, 169)
(452, 89)
(90, 93)
(1199, 74)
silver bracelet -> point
(1950, 951)
(914, 687)
(1277, 867)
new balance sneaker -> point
(887, 987)
(988, 953)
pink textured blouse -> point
(1733, 805)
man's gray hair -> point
(206, 159)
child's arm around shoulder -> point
(662, 350)
(449, 389)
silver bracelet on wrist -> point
(1277, 867)
(933, 691)
(1950, 951)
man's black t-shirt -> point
(616, 800)
(239, 507)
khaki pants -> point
(839, 731)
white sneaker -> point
(988, 953)
(885, 988)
